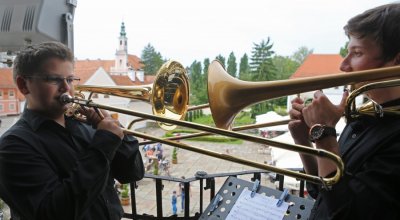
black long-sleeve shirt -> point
(51, 172)
(369, 188)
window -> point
(1, 94)
(11, 93)
(1, 107)
(11, 106)
(106, 96)
(95, 96)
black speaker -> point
(24, 22)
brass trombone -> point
(168, 95)
(226, 100)
(301, 149)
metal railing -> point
(206, 182)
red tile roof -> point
(134, 62)
(318, 65)
(122, 80)
(126, 81)
(84, 69)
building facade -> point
(11, 100)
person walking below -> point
(174, 199)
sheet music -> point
(259, 207)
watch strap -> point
(326, 132)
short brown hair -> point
(30, 59)
(380, 24)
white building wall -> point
(101, 77)
(334, 94)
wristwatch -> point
(319, 131)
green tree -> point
(261, 65)
(301, 54)
(232, 65)
(343, 50)
(262, 69)
(221, 59)
(206, 64)
(198, 85)
(151, 59)
(285, 66)
(244, 68)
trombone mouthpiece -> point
(65, 98)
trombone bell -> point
(168, 95)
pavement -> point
(188, 164)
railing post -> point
(159, 198)
(201, 175)
(187, 198)
(301, 193)
(210, 184)
(133, 199)
(256, 176)
(281, 179)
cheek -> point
(365, 64)
(47, 93)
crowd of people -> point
(155, 157)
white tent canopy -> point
(286, 159)
(271, 117)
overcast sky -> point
(188, 30)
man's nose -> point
(65, 86)
(345, 65)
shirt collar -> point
(34, 119)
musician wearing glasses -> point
(369, 146)
(55, 167)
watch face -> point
(316, 132)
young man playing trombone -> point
(55, 167)
(369, 146)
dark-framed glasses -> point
(56, 80)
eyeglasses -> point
(56, 80)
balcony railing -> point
(206, 183)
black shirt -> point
(51, 172)
(369, 187)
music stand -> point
(299, 207)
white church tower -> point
(121, 55)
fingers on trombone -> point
(297, 100)
(92, 117)
(295, 113)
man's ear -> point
(22, 85)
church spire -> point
(121, 55)
(123, 33)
